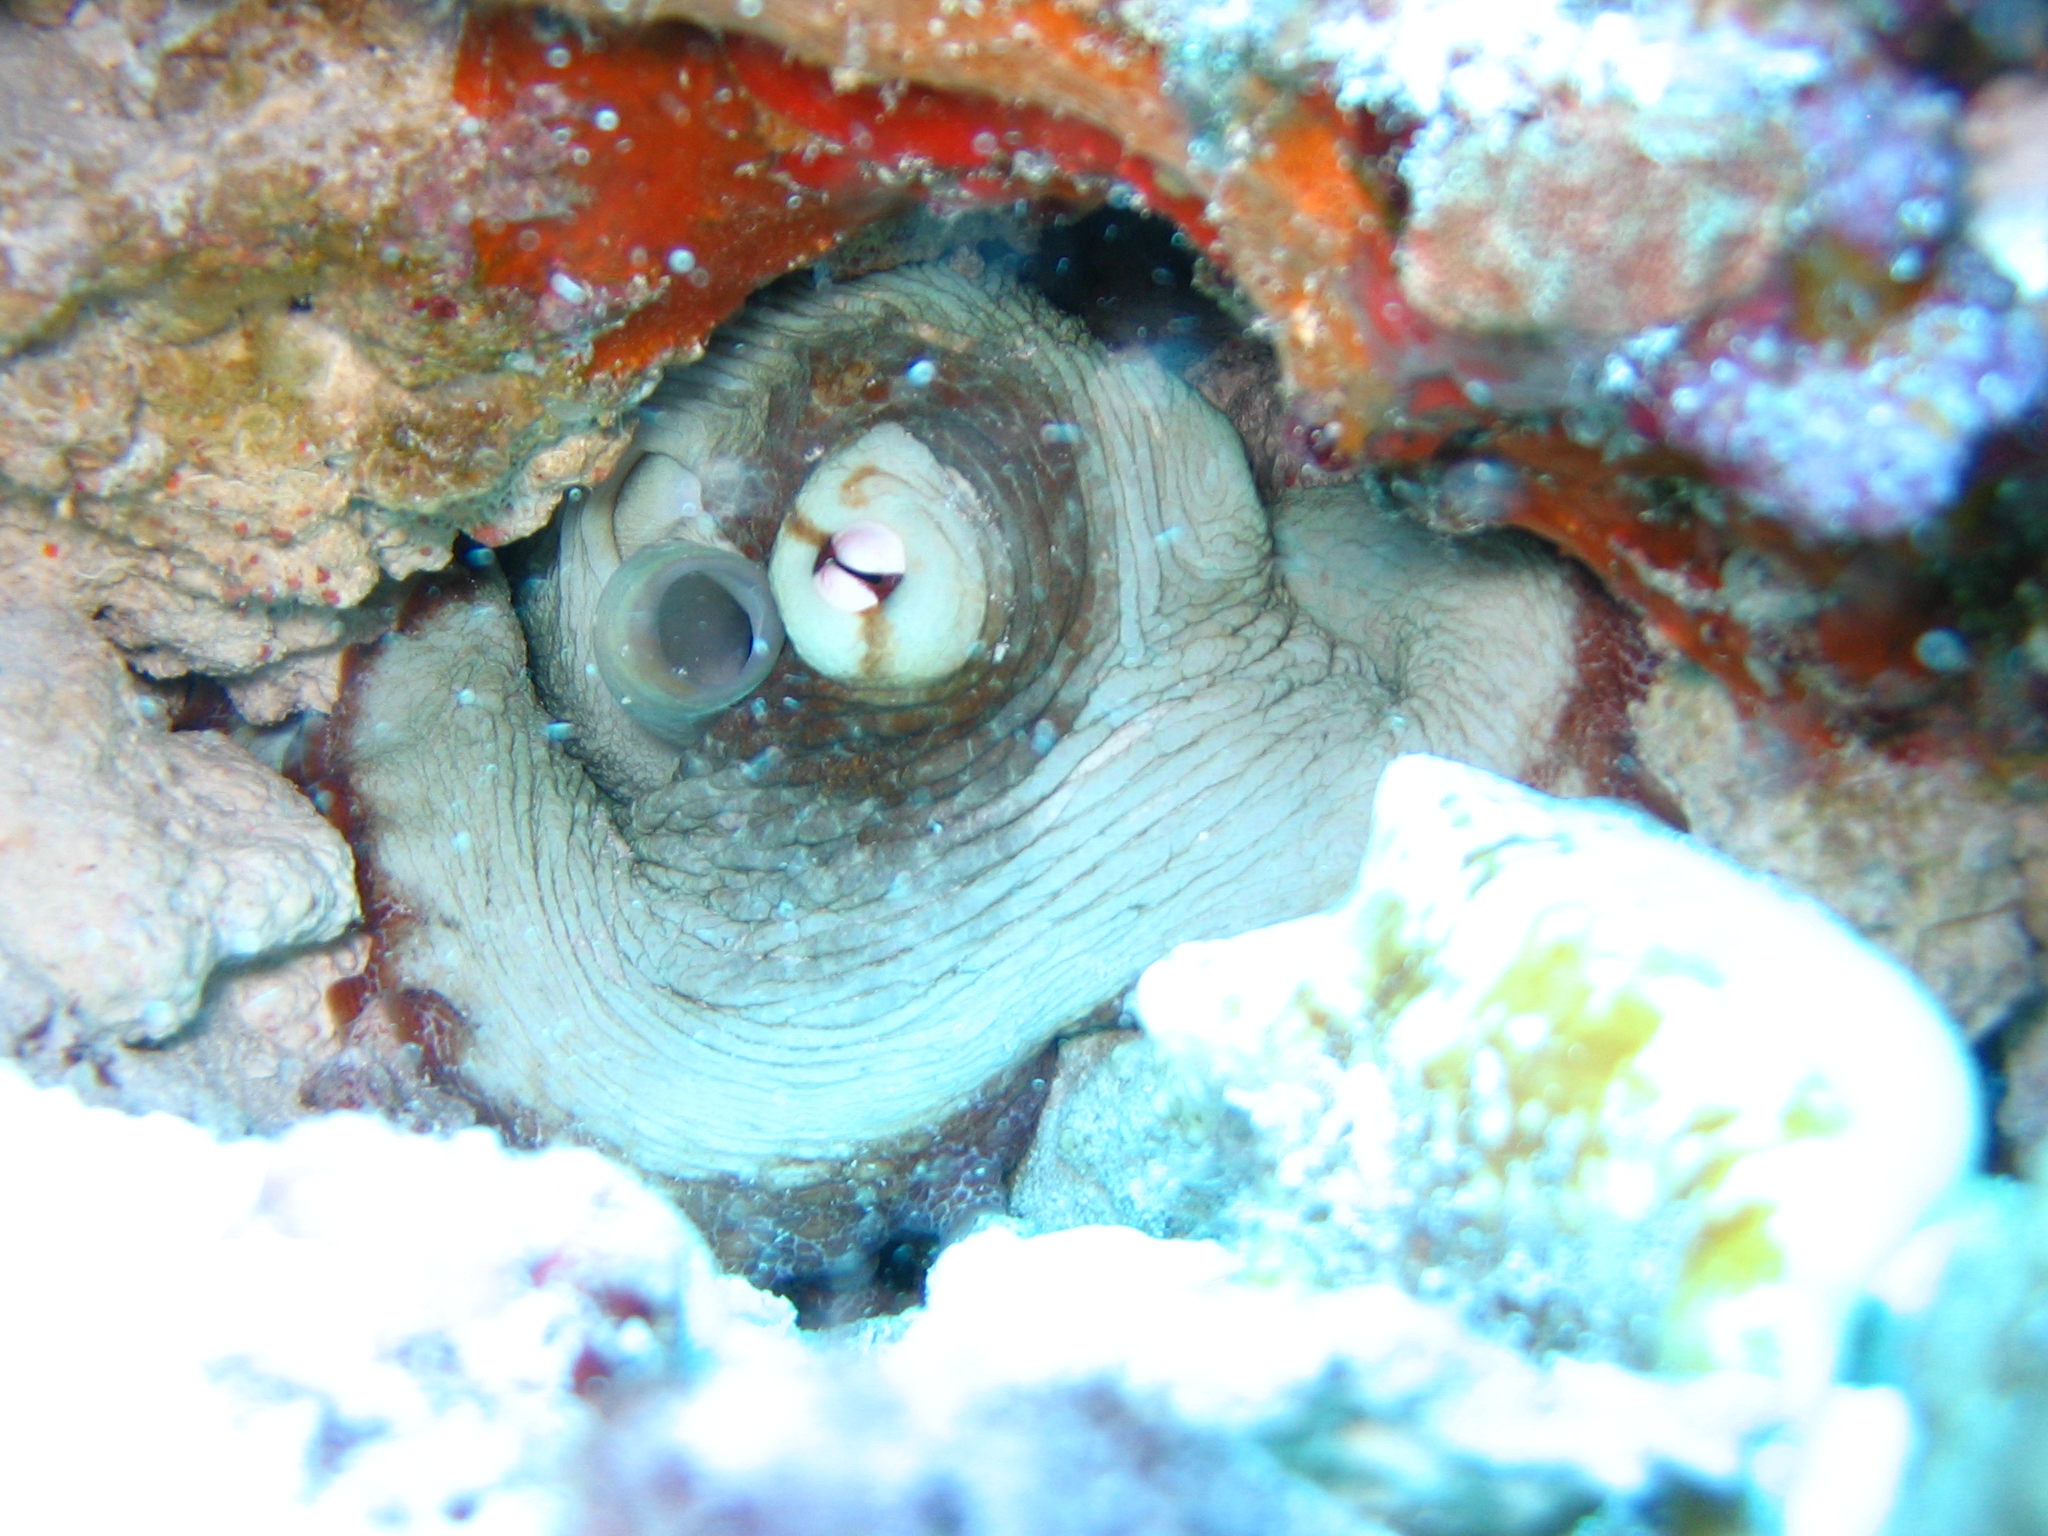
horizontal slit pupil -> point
(706, 637)
(879, 583)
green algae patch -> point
(1732, 1253)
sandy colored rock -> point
(1116, 1146)
(1596, 219)
(241, 1067)
(1924, 860)
(241, 348)
(137, 861)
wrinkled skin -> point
(779, 954)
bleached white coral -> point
(1553, 1055)
(1487, 60)
(349, 1328)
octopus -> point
(915, 667)
(925, 669)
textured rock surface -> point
(1930, 862)
(344, 1329)
(137, 862)
(1549, 1064)
(243, 372)
(1103, 1381)
(352, 1327)
(1595, 219)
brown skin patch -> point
(381, 1013)
(856, 1241)
(1593, 749)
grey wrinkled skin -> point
(831, 922)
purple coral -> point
(1848, 444)
(1867, 435)
(1881, 164)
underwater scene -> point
(1024, 767)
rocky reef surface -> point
(1485, 1228)
(306, 312)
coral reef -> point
(1930, 861)
(343, 1329)
(1554, 1065)
(520, 1342)
(1740, 307)
(246, 375)
(1872, 440)
(1423, 202)
(376, 1328)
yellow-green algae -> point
(1584, 1067)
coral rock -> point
(347, 1328)
(1927, 861)
(1594, 219)
(138, 861)
(239, 342)
(1554, 1059)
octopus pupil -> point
(871, 556)
(880, 583)
(706, 637)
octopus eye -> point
(878, 568)
(684, 630)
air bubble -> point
(921, 373)
(681, 260)
(558, 57)
(605, 120)
(1942, 650)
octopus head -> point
(924, 672)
